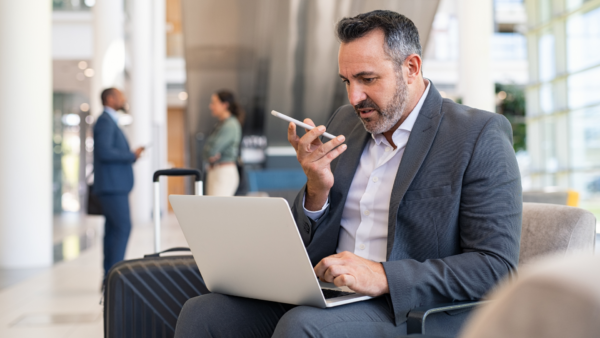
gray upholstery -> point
(549, 228)
(556, 297)
(545, 293)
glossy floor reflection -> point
(72, 234)
(64, 301)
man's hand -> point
(357, 273)
(315, 158)
(138, 152)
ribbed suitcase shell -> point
(143, 297)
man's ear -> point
(412, 64)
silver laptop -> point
(250, 247)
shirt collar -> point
(408, 124)
(112, 113)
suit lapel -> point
(347, 164)
(419, 143)
(119, 131)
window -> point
(584, 88)
(583, 40)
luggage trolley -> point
(156, 177)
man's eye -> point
(368, 79)
(345, 81)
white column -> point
(109, 49)
(25, 134)
(159, 92)
(476, 23)
(141, 106)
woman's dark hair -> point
(226, 96)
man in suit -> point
(417, 201)
(113, 176)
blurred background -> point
(535, 61)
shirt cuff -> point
(314, 215)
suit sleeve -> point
(490, 228)
(306, 226)
(103, 145)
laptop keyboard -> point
(328, 293)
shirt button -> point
(388, 148)
(375, 179)
(362, 247)
(367, 212)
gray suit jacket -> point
(455, 211)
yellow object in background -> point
(572, 198)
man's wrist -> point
(315, 201)
(385, 285)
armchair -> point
(546, 229)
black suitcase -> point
(143, 297)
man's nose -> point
(356, 94)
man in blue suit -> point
(113, 176)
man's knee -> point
(216, 315)
(370, 318)
(195, 315)
(302, 321)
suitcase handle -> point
(165, 251)
(177, 172)
(170, 172)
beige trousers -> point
(222, 180)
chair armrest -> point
(416, 317)
(417, 335)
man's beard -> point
(391, 114)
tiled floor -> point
(64, 301)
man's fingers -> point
(344, 280)
(309, 122)
(322, 157)
(325, 263)
(323, 149)
(292, 137)
(311, 139)
(334, 271)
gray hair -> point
(401, 35)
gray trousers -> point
(217, 315)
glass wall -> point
(563, 115)
(72, 149)
(72, 5)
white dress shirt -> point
(365, 216)
(112, 113)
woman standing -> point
(222, 146)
